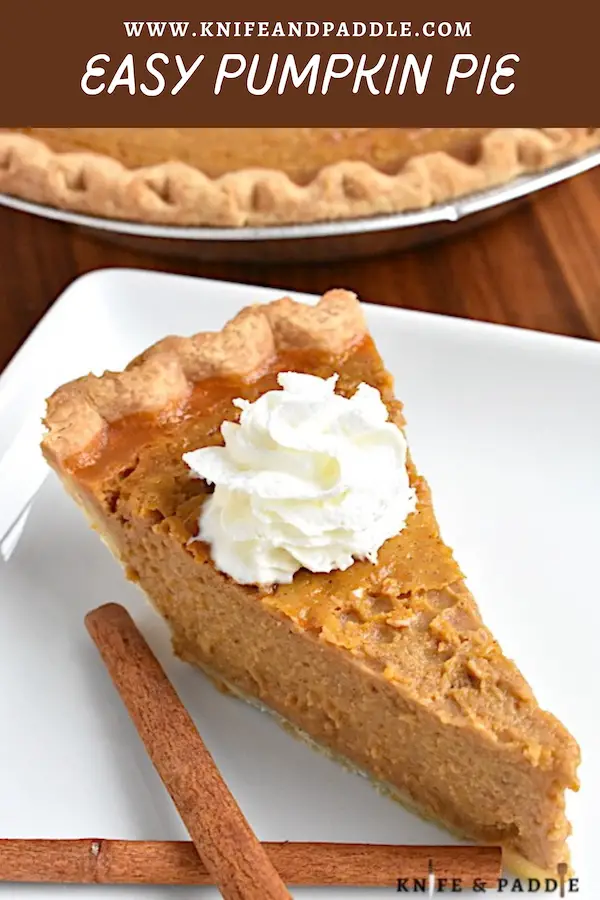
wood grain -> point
(536, 267)
(98, 861)
(226, 844)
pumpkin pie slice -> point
(384, 661)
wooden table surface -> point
(536, 267)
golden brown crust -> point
(162, 377)
(174, 193)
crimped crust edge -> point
(78, 413)
(174, 193)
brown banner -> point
(113, 63)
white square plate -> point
(506, 426)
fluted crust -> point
(163, 376)
(174, 193)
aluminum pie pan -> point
(320, 240)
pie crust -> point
(388, 666)
(176, 193)
(80, 413)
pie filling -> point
(387, 664)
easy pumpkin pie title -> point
(160, 73)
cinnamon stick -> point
(227, 846)
(96, 861)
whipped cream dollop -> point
(308, 478)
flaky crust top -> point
(174, 193)
(162, 377)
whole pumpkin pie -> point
(268, 176)
(305, 570)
